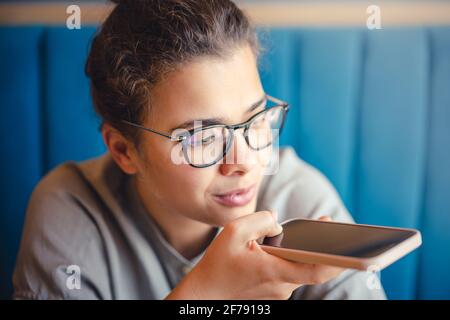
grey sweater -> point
(88, 236)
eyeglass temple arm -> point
(163, 134)
(180, 138)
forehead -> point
(208, 87)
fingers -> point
(254, 226)
(305, 273)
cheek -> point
(177, 180)
(195, 182)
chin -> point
(228, 214)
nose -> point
(239, 159)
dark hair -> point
(142, 40)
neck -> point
(188, 237)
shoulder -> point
(61, 229)
(75, 184)
(54, 199)
(299, 190)
(72, 177)
(58, 196)
(69, 202)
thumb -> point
(255, 225)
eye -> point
(207, 140)
(202, 139)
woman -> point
(177, 205)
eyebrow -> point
(214, 121)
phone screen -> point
(338, 239)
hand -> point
(235, 267)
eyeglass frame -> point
(246, 125)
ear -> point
(121, 149)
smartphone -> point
(346, 245)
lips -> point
(237, 197)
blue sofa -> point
(370, 109)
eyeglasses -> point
(205, 146)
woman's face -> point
(209, 88)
